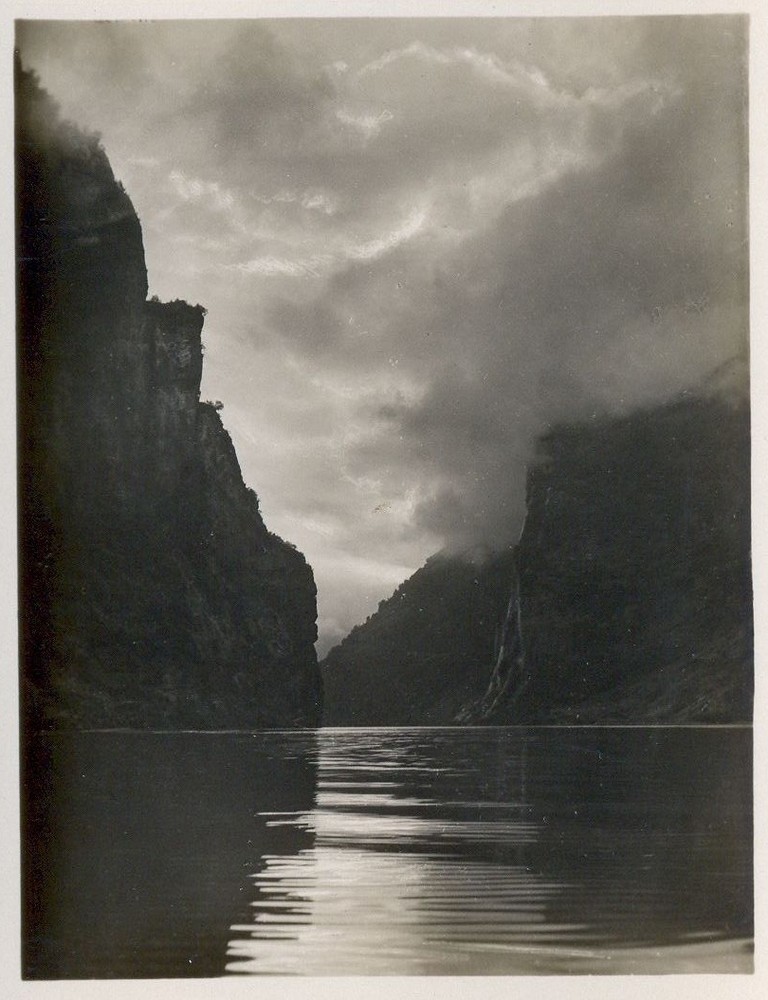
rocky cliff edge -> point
(152, 594)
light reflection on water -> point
(387, 851)
(504, 851)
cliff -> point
(633, 594)
(152, 594)
(627, 599)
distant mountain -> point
(427, 649)
(152, 594)
(628, 598)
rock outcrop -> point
(628, 598)
(152, 594)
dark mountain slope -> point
(152, 593)
(427, 649)
(628, 598)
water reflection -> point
(139, 847)
(388, 851)
(512, 851)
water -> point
(389, 851)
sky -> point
(421, 243)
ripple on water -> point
(498, 852)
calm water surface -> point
(389, 851)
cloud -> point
(148, 162)
(311, 267)
(486, 65)
(369, 125)
(382, 245)
(616, 281)
(423, 242)
(194, 189)
(317, 264)
(318, 201)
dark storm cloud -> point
(423, 242)
(616, 286)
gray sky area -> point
(420, 244)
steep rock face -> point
(152, 593)
(634, 573)
(627, 599)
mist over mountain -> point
(627, 599)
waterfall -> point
(510, 658)
(509, 655)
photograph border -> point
(678, 986)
